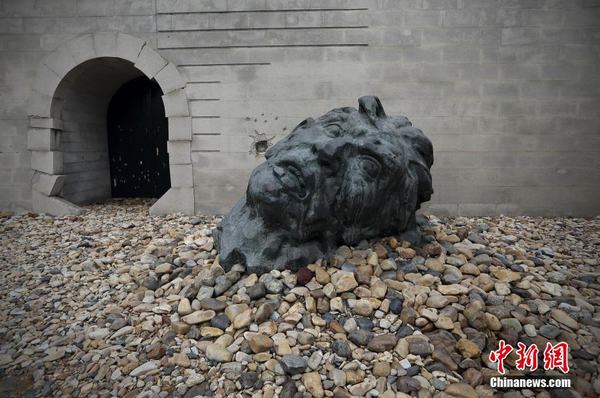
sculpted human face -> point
(346, 176)
(340, 151)
(282, 188)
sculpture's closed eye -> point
(333, 129)
(370, 166)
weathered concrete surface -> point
(508, 92)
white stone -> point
(49, 162)
(176, 103)
(48, 184)
(179, 152)
(169, 79)
(180, 128)
(150, 62)
(128, 47)
(144, 369)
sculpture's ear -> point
(371, 106)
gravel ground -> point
(118, 303)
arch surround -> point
(45, 125)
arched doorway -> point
(83, 102)
(137, 141)
(68, 109)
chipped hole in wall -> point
(260, 143)
(261, 146)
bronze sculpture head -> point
(346, 176)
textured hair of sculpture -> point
(347, 176)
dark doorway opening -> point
(137, 141)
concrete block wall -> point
(29, 31)
(507, 90)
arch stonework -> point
(45, 126)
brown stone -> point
(408, 316)
(213, 304)
(473, 377)
(461, 390)
(381, 369)
(260, 343)
(354, 376)
(336, 327)
(506, 275)
(380, 250)
(312, 382)
(441, 355)
(418, 346)
(343, 281)
(382, 342)
(565, 319)
(468, 348)
(180, 327)
(340, 392)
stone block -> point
(176, 103)
(135, 7)
(46, 81)
(166, 6)
(52, 205)
(442, 209)
(209, 90)
(180, 128)
(221, 177)
(82, 48)
(214, 142)
(420, 55)
(460, 54)
(169, 79)
(476, 209)
(150, 62)
(213, 126)
(60, 61)
(45, 123)
(43, 139)
(49, 162)
(105, 44)
(48, 184)
(12, 143)
(224, 161)
(503, 89)
(176, 200)
(213, 207)
(39, 105)
(181, 175)
(163, 22)
(520, 36)
(138, 24)
(217, 199)
(129, 47)
(95, 8)
(213, 108)
(179, 152)
(509, 209)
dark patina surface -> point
(347, 176)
